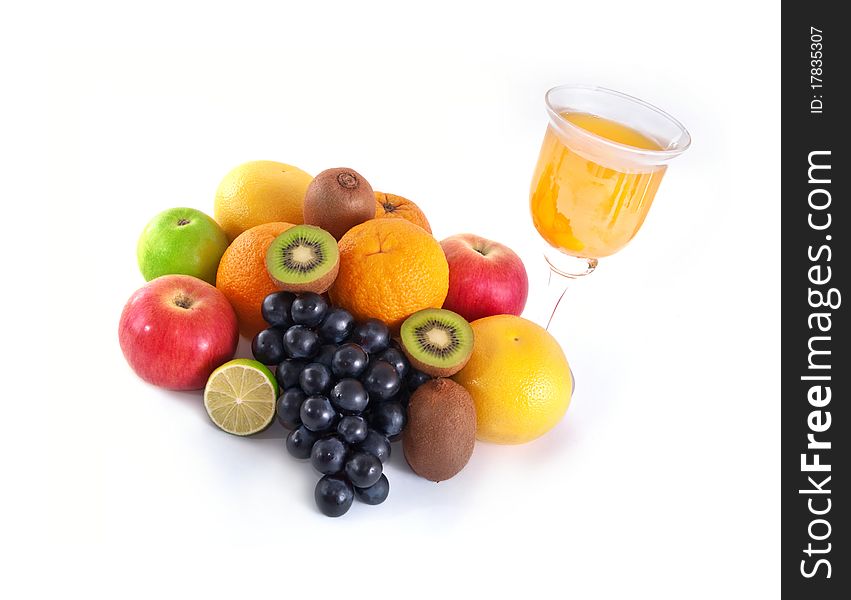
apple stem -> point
(183, 222)
(183, 301)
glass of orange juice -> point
(603, 156)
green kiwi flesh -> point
(304, 258)
(437, 341)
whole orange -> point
(242, 275)
(390, 206)
(518, 377)
(390, 269)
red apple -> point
(176, 330)
(485, 278)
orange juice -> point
(591, 206)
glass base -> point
(565, 265)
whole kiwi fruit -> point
(337, 200)
(441, 431)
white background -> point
(662, 481)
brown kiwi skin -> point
(319, 286)
(439, 438)
(337, 200)
(431, 369)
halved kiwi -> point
(437, 341)
(304, 258)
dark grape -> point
(300, 441)
(268, 346)
(328, 455)
(349, 396)
(349, 360)
(388, 418)
(315, 378)
(396, 358)
(363, 469)
(325, 356)
(317, 414)
(416, 379)
(337, 326)
(309, 309)
(377, 445)
(288, 372)
(381, 381)
(301, 342)
(288, 408)
(333, 495)
(376, 493)
(326, 386)
(276, 309)
(372, 335)
(404, 396)
(352, 429)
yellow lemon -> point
(518, 377)
(259, 192)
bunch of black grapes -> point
(344, 393)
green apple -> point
(181, 241)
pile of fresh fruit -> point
(365, 330)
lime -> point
(240, 396)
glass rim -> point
(662, 155)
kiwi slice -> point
(437, 341)
(304, 258)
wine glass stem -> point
(563, 271)
(557, 286)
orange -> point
(518, 377)
(258, 192)
(389, 269)
(390, 206)
(242, 275)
